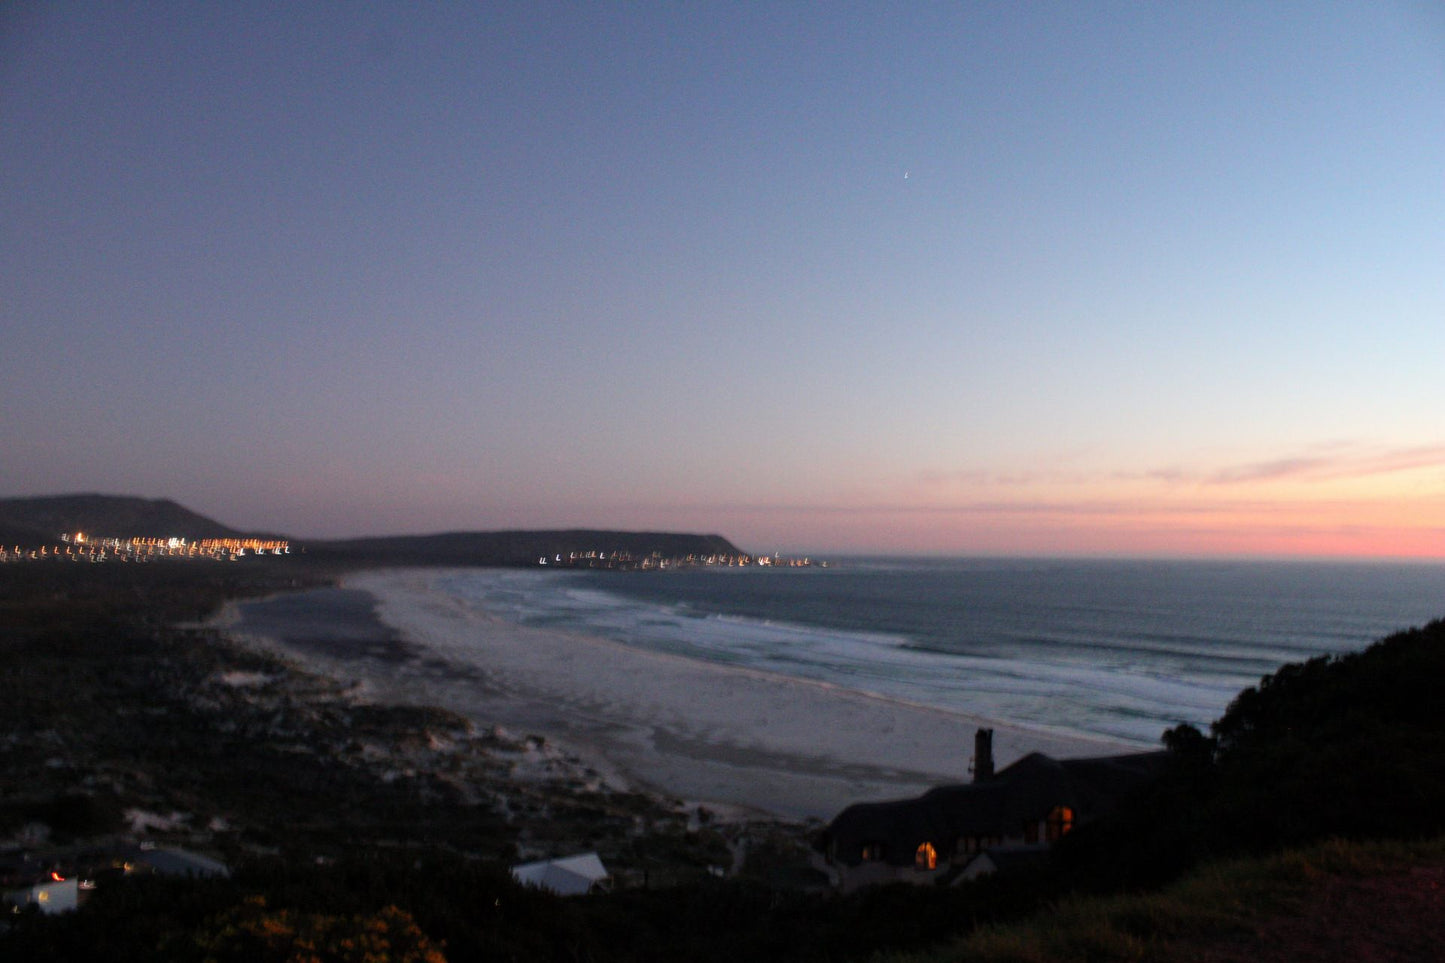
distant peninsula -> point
(29, 526)
(574, 548)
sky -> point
(948, 278)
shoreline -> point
(723, 736)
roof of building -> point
(1027, 790)
(569, 876)
(178, 862)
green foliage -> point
(253, 933)
(1350, 746)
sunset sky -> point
(969, 278)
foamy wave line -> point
(1060, 696)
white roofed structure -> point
(568, 876)
(54, 895)
(176, 862)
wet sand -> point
(680, 727)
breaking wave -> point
(1119, 650)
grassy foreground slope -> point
(1336, 902)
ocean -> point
(1116, 649)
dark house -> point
(1023, 807)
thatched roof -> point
(1026, 791)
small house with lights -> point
(963, 831)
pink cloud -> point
(1343, 464)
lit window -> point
(872, 851)
(1061, 820)
(926, 857)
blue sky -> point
(1081, 278)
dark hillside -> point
(106, 516)
(1349, 746)
(18, 535)
(518, 547)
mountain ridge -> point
(521, 546)
(105, 516)
(41, 519)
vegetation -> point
(1230, 910)
(1351, 746)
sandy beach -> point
(694, 730)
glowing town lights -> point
(82, 547)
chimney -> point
(983, 755)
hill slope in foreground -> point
(1332, 902)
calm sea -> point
(1123, 649)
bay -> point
(1117, 649)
